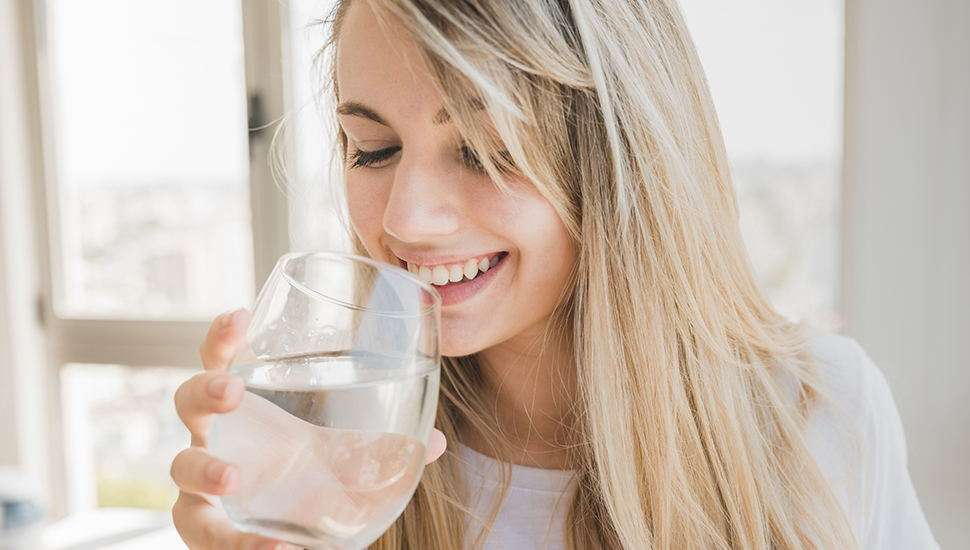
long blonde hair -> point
(692, 391)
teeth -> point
(470, 269)
(442, 275)
(425, 273)
(439, 275)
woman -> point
(616, 378)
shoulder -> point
(856, 397)
(857, 437)
(848, 375)
(855, 389)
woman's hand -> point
(200, 523)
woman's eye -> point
(502, 160)
(366, 159)
(469, 158)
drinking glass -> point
(341, 375)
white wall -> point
(906, 294)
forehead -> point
(376, 58)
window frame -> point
(156, 342)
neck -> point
(530, 380)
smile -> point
(442, 275)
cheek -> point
(553, 256)
(365, 204)
(549, 256)
(539, 230)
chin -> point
(458, 351)
(454, 344)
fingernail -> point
(228, 318)
(219, 386)
(217, 473)
(231, 476)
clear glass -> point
(149, 120)
(341, 372)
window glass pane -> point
(775, 71)
(121, 434)
(148, 106)
(316, 211)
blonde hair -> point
(692, 391)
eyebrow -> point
(352, 108)
(444, 116)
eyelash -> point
(502, 160)
(470, 159)
(365, 159)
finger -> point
(196, 471)
(226, 336)
(203, 394)
(205, 527)
(436, 446)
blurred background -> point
(137, 201)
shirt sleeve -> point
(894, 519)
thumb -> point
(436, 446)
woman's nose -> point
(423, 202)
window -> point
(150, 180)
(121, 434)
(775, 71)
(160, 212)
(317, 219)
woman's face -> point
(417, 199)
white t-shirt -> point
(866, 467)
